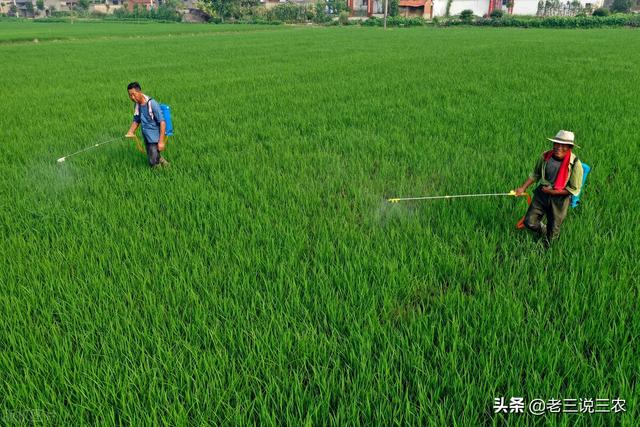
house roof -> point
(412, 3)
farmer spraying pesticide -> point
(561, 177)
(559, 174)
(148, 115)
(156, 127)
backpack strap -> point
(575, 159)
(150, 109)
(136, 109)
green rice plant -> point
(263, 279)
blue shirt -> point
(150, 126)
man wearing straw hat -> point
(559, 173)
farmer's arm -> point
(524, 186)
(132, 129)
(161, 141)
(134, 126)
(550, 191)
(535, 175)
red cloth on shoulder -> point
(563, 173)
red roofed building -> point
(422, 8)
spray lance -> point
(63, 159)
(92, 146)
(519, 225)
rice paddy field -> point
(262, 279)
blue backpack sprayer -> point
(166, 112)
(575, 200)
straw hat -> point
(564, 137)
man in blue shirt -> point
(148, 114)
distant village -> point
(31, 8)
(427, 9)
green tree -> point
(206, 7)
(171, 4)
(601, 11)
(466, 15)
(337, 6)
(394, 7)
(621, 6)
(223, 8)
(320, 14)
(576, 7)
(84, 4)
(343, 18)
(29, 7)
(40, 5)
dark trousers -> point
(153, 154)
(555, 208)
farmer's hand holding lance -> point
(559, 173)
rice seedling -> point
(264, 279)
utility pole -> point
(386, 12)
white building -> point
(484, 7)
(438, 8)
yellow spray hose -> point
(139, 144)
(519, 225)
